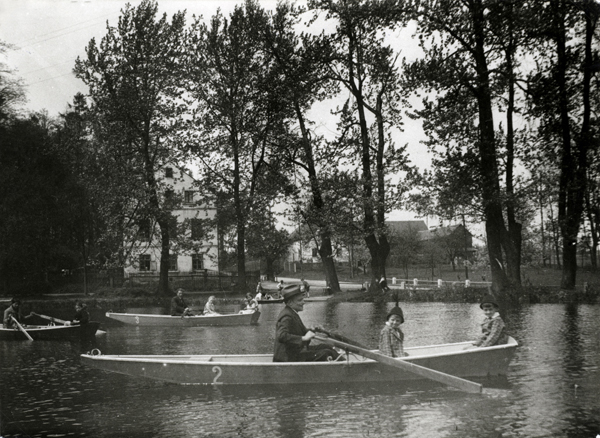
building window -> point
(197, 231)
(169, 172)
(197, 262)
(173, 262)
(172, 228)
(144, 229)
(315, 252)
(188, 197)
(144, 262)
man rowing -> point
(292, 338)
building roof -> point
(404, 226)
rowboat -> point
(242, 318)
(50, 332)
(259, 369)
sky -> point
(47, 36)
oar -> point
(438, 376)
(339, 337)
(50, 318)
(21, 328)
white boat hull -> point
(260, 369)
(243, 318)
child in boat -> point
(391, 338)
(209, 307)
(492, 328)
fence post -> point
(440, 282)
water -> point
(552, 389)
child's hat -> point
(396, 311)
(489, 300)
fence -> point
(199, 281)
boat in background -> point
(245, 317)
(259, 369)
(50, 332)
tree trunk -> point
(325, 248)
(241, 256)
(163, 279)
(379, 251)
(326, 253)
(497, 236)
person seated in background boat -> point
(82, 316)
(305, 287)
(292, 338)
(251, 303)
(383, 284)
(391, 338)
(492, 328)
(14, 311)
(280, 287)
(209, 307)
(178, 305)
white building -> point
(194, 243)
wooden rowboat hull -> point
(50, 332)
(245, 318)
(260, 369)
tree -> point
(366, 67)
(38, 196)
(462, 40)
(301, 64)
(405, 247)
(12, 91)
(561, 91)
(267, 243)
(135, 83)
(236, 114)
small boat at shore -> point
(259, 369)
(245, 317)
(50, 332)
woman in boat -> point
(292, 338)
(259, 291)
(492, 328)
(209, 307)
(305, 287)
(251, 303)
(280, 287)
(391, 338)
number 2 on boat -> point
(219, 372)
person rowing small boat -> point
(292, 338)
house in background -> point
(400, 227)
(194, 249)
(455, 240)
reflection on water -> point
(552, 388)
